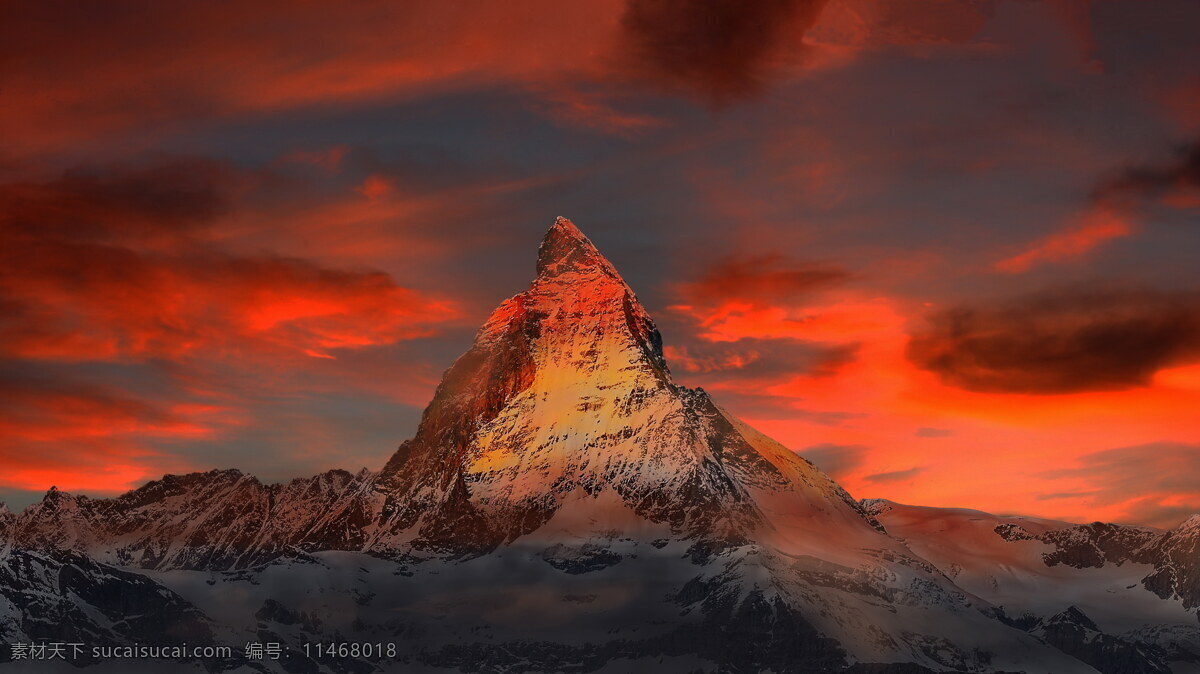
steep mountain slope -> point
(566, 392)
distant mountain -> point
(565, 506)
(215, 520)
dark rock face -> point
(7, 520)
(1177, 564)
(68, 598)
(580, 558)
(480, 383)
(758, 634)
(1013, 532)
(1174, 554)
(1091, 545)
(1075, 634)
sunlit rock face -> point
(565, 396)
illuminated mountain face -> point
(566, 399)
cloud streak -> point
(837, 461)
(895, 476)
(1094, 229)
(1155, 482)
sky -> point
(947, 250)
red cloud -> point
(1094, 229)
(127, 65)
(78, 435)
(121, 268)
(127, 271)
(1182, 103)
(758, 281)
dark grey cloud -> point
(719, 49)
(760, 279)
(1061, 340)
(836, 460)
(1146, 180)
(895, 476)
(1063, 494)
(757, 359)
(166, 196)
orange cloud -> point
(76, 435)
(1094, 229)
(130, 272)
(120, 267)
(81, 76)
(1154, 482)
(880, 401)
(890, 428)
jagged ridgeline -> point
(566, 506)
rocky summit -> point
(566, 401)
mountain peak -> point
(1073, 616)
(565, 400)
(565, 248)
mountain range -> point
(565, 506)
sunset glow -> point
(946, 251)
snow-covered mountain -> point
(70, 599)
(566, 398)
(1111, 595)
(215, 520)
(565, 506)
